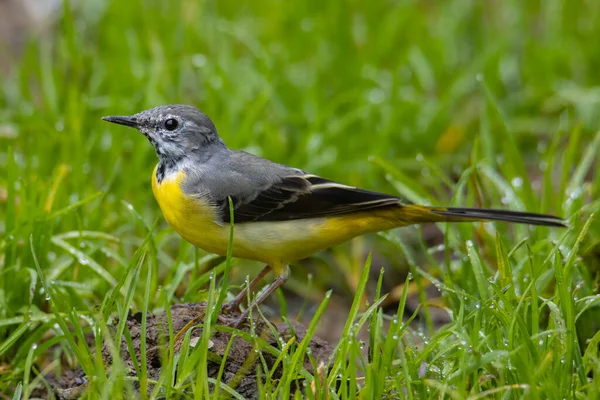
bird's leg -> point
(234, 305)
(280, 280)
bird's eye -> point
(171, 124)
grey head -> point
(176, 131)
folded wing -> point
(302, 196)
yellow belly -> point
(274, 243)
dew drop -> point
(576, 193)
(376, 96)
(517, 181)
(199, 60)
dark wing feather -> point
(302, 196)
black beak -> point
(127, 121)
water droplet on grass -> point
(199, 60)
(376, 96)
(576, 193)
(517, 181)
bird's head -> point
(176, 131)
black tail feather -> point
(500, 215)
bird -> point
(281, 214)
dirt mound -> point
(242, 360)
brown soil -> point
(236, 374)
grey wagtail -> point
(281, 214)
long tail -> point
(456, 214)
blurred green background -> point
(394, 96)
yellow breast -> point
(193, 218)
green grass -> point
(462, 102)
